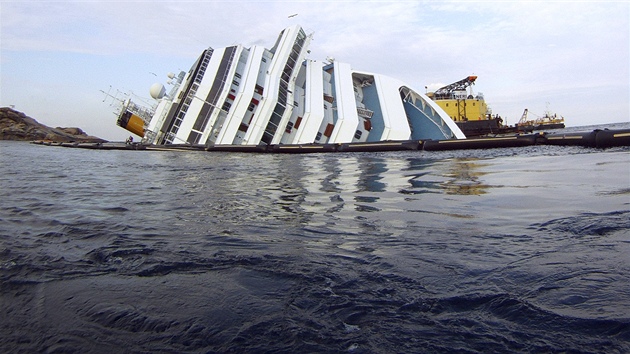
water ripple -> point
(515, 250)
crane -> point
(457, 91)
(523, 119)
(461, 85)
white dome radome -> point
(157, 91)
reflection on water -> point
(451, 176)
(333, 191)
(465, 178)
(353, 181)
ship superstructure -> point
(259, 96)
(459, 103)
(469, 110)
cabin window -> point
(357, 134)
(235, 83)
(318, 136)
(237, 75)
(447, 105)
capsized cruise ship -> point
(257, 96)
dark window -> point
(367, 124)
(193, 138)
(329, 130)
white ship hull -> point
(257, 96)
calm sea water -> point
(504, 250)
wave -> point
(588, 224)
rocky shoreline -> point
(15, 125)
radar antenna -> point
(113, 97)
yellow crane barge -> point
(469, 111)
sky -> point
(59, 58)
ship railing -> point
(365, 113)
(140, 111)
(440, 125)
(149, 137)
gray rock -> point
(16, 125)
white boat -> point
(259, 96)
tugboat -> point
(548, 121)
